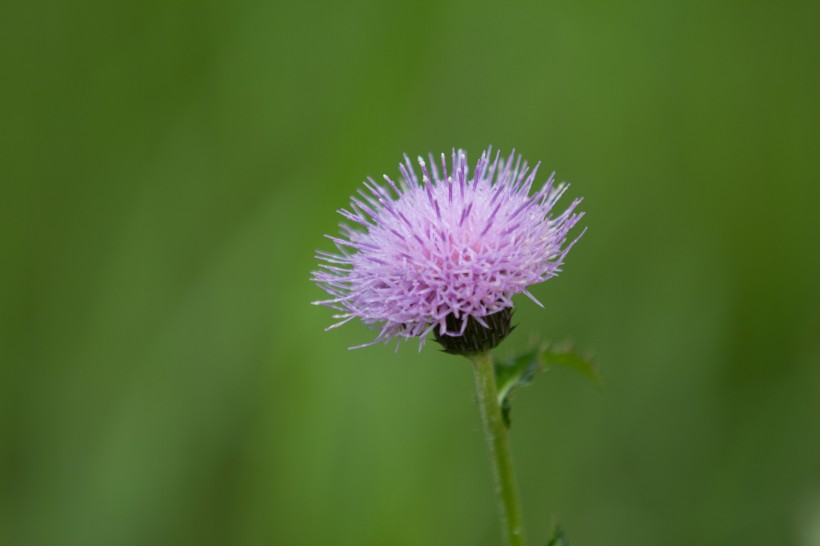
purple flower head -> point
(445, 251)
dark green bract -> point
(476, 338)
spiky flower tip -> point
(446, 253)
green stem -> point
(495, 430)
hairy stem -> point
(496, 433)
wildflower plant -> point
(441, 252)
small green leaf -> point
(558, 538)
(514, 373)
(519, 371)
(566, 356)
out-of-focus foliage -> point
(558, 538)
(168, 169)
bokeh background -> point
(169, 168)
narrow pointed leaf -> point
(558, 538)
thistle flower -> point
(446, 253)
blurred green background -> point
(169, 168)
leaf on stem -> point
(519, 371)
